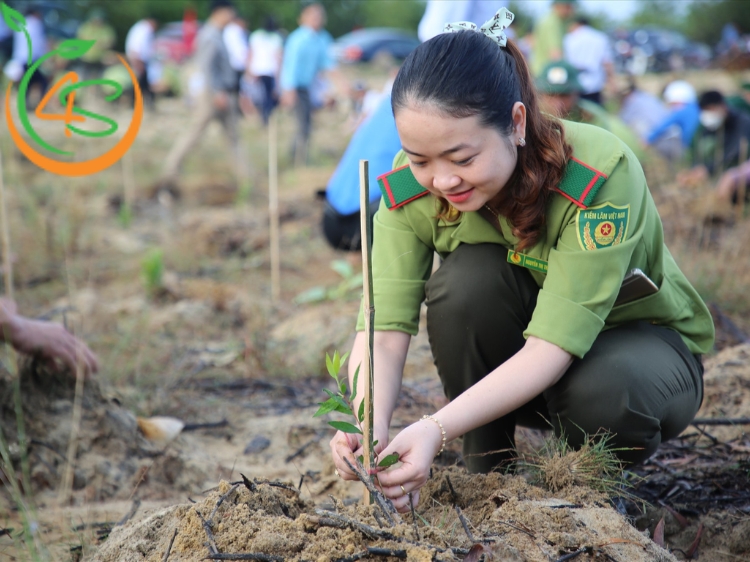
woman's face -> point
(459, 158)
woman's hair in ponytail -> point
(465, 74)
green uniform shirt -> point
(739, 103)
(594, 114)
(579, 262)
(548, 38)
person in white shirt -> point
(264, 63)
(440, 12)
(589, 51)
(235, 40)
(35, 29)
(139, 51)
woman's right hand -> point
(347, 446)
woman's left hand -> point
(417, 446)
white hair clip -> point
(492, 28)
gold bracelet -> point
(442, 430)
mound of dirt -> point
(727, 390)
(113, 458)
(505, 516)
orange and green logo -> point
(67, 86)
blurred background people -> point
(6, 42)
(548, 35)
(96, 29)
(741, 101)
(264, 64)
(643, 112)
(439, 12)
(235, 40)
(589, 51)
(217, 100)
(721, 147)
(376, 140)
(561, 95)
(139, 50)
(682, 120)
(305, 58)
(35, 28)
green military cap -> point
(558, 77)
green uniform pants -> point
(639, 381)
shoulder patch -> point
(581, 183)
(602, 226)
(400, 187)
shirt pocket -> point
(668, 306)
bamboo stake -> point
(128, 181)
(273, 207)
(369, 309)
(742, 187)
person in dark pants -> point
(35, 28)
(539, 223)
(305, 56)
(375, 140)
(264, 63)
(139, 50)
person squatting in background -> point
(375, 140)
(538, 221)
(721, 147)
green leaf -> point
(344, 426)
(316, 294)
(326, 407)
(13, 19)
(354, 385)
(343, 268)
(342, 388)
(336, 362)
(71, 49)
(329, 367)
(344, 410)
(361, 459)
(374, 443)
(344, 357)
(361, 412)
(388, 460)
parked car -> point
(59, 21)
(365, 44)
(651, 49)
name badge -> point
(527, 261)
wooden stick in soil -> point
(369, 311)
(742, 187)
(273, 207)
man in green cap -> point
(741, 101)
(99, 31)
(549, 33)
(561, 95)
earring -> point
(521, 141)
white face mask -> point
(712, 120)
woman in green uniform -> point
(538, 222)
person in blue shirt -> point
(685, 115)
(375, 140)
(305, 56)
